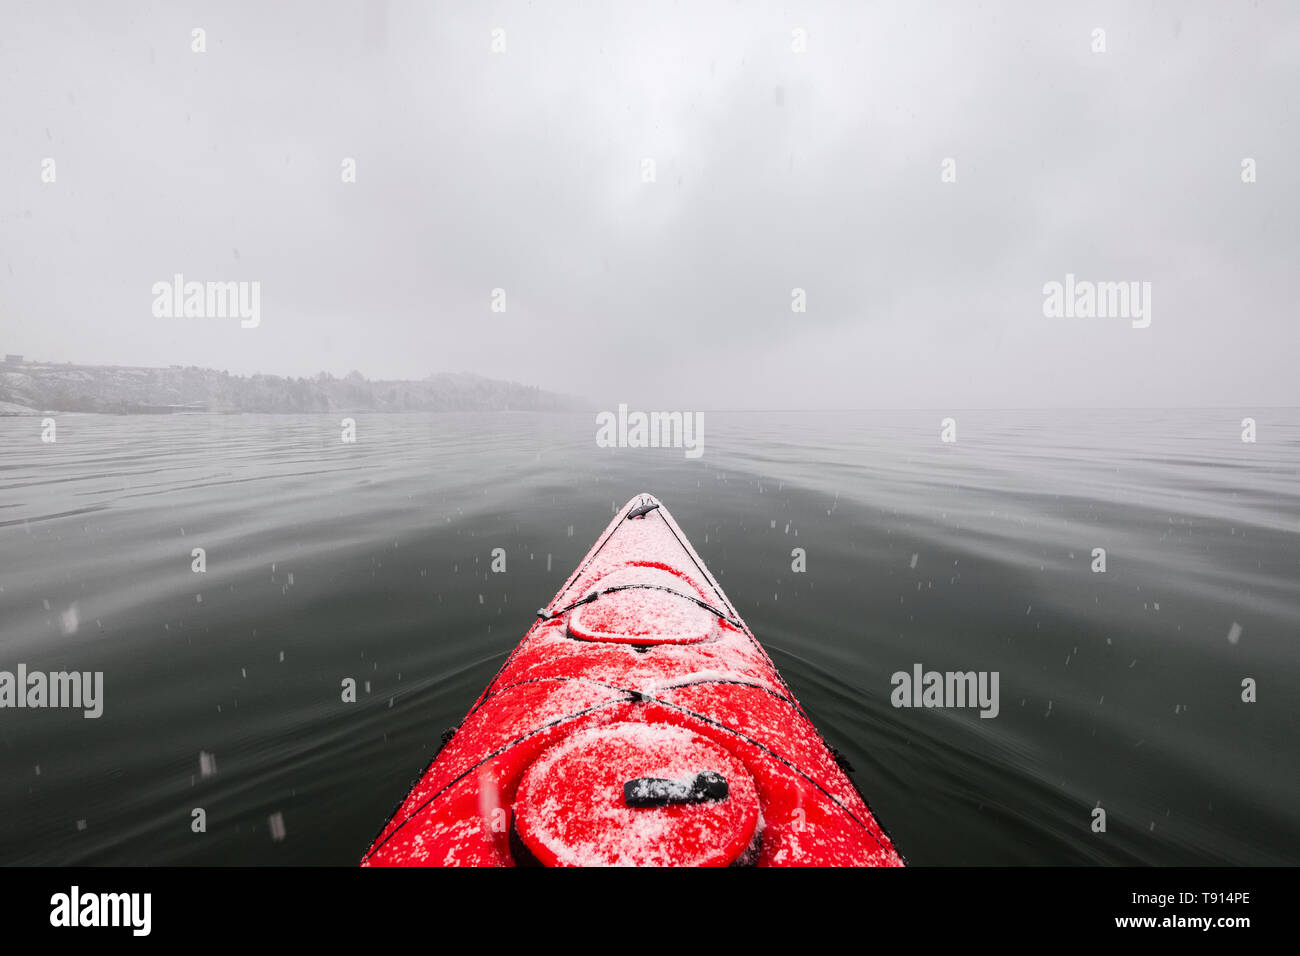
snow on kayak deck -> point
(641, 682)
(571, 810)
(650, 611)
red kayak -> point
(640, 723)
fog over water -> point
(795, 146)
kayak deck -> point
(639, 722)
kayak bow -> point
(639, 722)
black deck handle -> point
(704, 787)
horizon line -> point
(594, 406)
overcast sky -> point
(775, 170)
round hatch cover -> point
(691, 802)
(646, 606)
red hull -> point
(656, 684)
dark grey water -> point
(328, 560)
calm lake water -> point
(328, 560)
